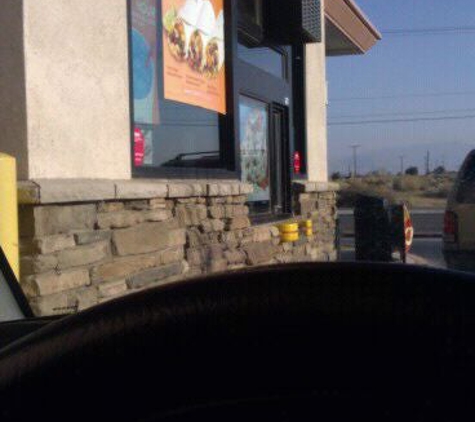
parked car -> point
(459, 220)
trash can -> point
(372, 229)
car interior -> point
(285, 343)
(161, 155)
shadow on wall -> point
(12, 84)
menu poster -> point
(144, 61)
(254, 151)
(193, 53)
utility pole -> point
(428, 163)
(401, 158)
(355, 159)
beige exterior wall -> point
(65, 66)
(77, 88)
(316, 111)
(74, 77)
(13, 136)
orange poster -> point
(193, 53)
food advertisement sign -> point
(254, 148)
(193, 53)
(144, 61)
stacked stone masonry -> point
(76, 255)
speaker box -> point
(294, 21)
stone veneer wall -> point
(78, 254)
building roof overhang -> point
(348, 30)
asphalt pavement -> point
(425, 251)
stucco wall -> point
(71, 79)
(13, 133)
(316, 111)
(76, 58)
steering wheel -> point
(290, 343)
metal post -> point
(401, 157)
(355, 159)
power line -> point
(430, 30)
(391, 97)
(427, 119)
(413, 113)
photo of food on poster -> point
(193, 53)
(144, 61)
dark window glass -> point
(468, 171)
(250, 10)
(265, 58)
(299, 97)
(168, 134)
(466, 188)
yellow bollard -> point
(289, 232)
(307, 227)
(9, 211)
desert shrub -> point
(441, 191)
(336, 176)
(356, 184)
(412, 171)
(347, 198)
(378, 180)
(410, 184)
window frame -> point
(251, 32)
(229, 139)
(248, 89)
(299, 142)
(286, 59)
(227, 150)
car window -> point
(466, 182)
(157, 141)
(401, 126)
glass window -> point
(265, 58)
(250, 10)
(254, 144)
(178, 77)
(466, 188)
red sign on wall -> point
(139, 147)
(297, 163)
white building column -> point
(316, 109)
(65, 109)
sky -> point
(415, 72)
